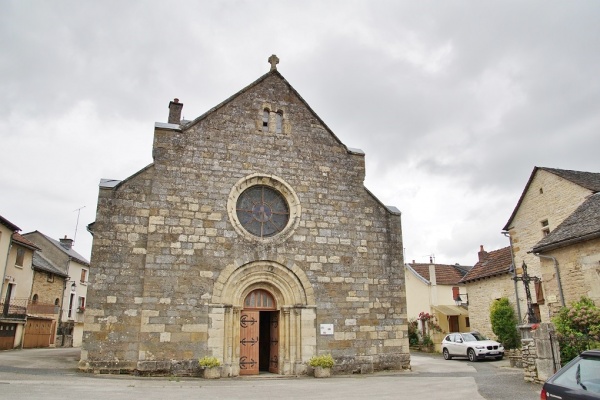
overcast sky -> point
(453, 102)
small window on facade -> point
(34, 299)
(50, 277)
(467, 322)
(279, 122)
(541, 191)
(83, 275)
(81, 302)
(20, 256)
(265, 121)
(56, 301)
(545, 228)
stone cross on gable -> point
(273, 60)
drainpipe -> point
(514, 273)
(560, 290)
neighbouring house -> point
(436, 298)
(570, 257)
(60, 254)
(45, 303)
(250, 238)
(16, 259)
(549, 198)
(489, 280)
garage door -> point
(37, 333)
(7, 336)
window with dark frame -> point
(265, 120)
(20, 256)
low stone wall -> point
(539, 353)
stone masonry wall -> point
(486, 291)
(163, 236)
(556, 201)
(579, 269)
(47, 292)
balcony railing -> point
(40, 308)
(14, 308)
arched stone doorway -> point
(289, 318)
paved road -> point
(51, 374)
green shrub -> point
(209, 362)
(324, 361)
(413, 334)
(504, 323)
(427, 341)
(577, 328)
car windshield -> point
(583, 375)
(473, 337)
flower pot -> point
(211, 373)
(321, 372)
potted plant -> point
(322, 365)
(210, 367)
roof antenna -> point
(77, 223)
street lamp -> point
(458, 299)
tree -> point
(504, 323)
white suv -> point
(473, 345)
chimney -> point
(175, 111)
(66, 243)
(482, 254)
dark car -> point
(578, 380)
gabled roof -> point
(9, 224)
(276, 73)
(496, 262)
(17, 238)
(43, 264)
(582, 225)
(587, 180)
(444, 274)
(69, 252)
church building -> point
(250, 238)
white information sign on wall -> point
(326, 329)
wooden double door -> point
(259, 340)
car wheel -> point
(447, 355)
(499, 357)
(472, 356)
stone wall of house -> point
(164, 237)
(47, 288)
(482, 294)
(549, 198)
(579, 270)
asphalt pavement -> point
(51, 374)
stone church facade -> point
(250, 238)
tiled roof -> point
(588, 180)
(9, 224)
(70, 252)
(583, 224)
(497, 262)
(39, 262)
(16, 237)
(445, 274)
